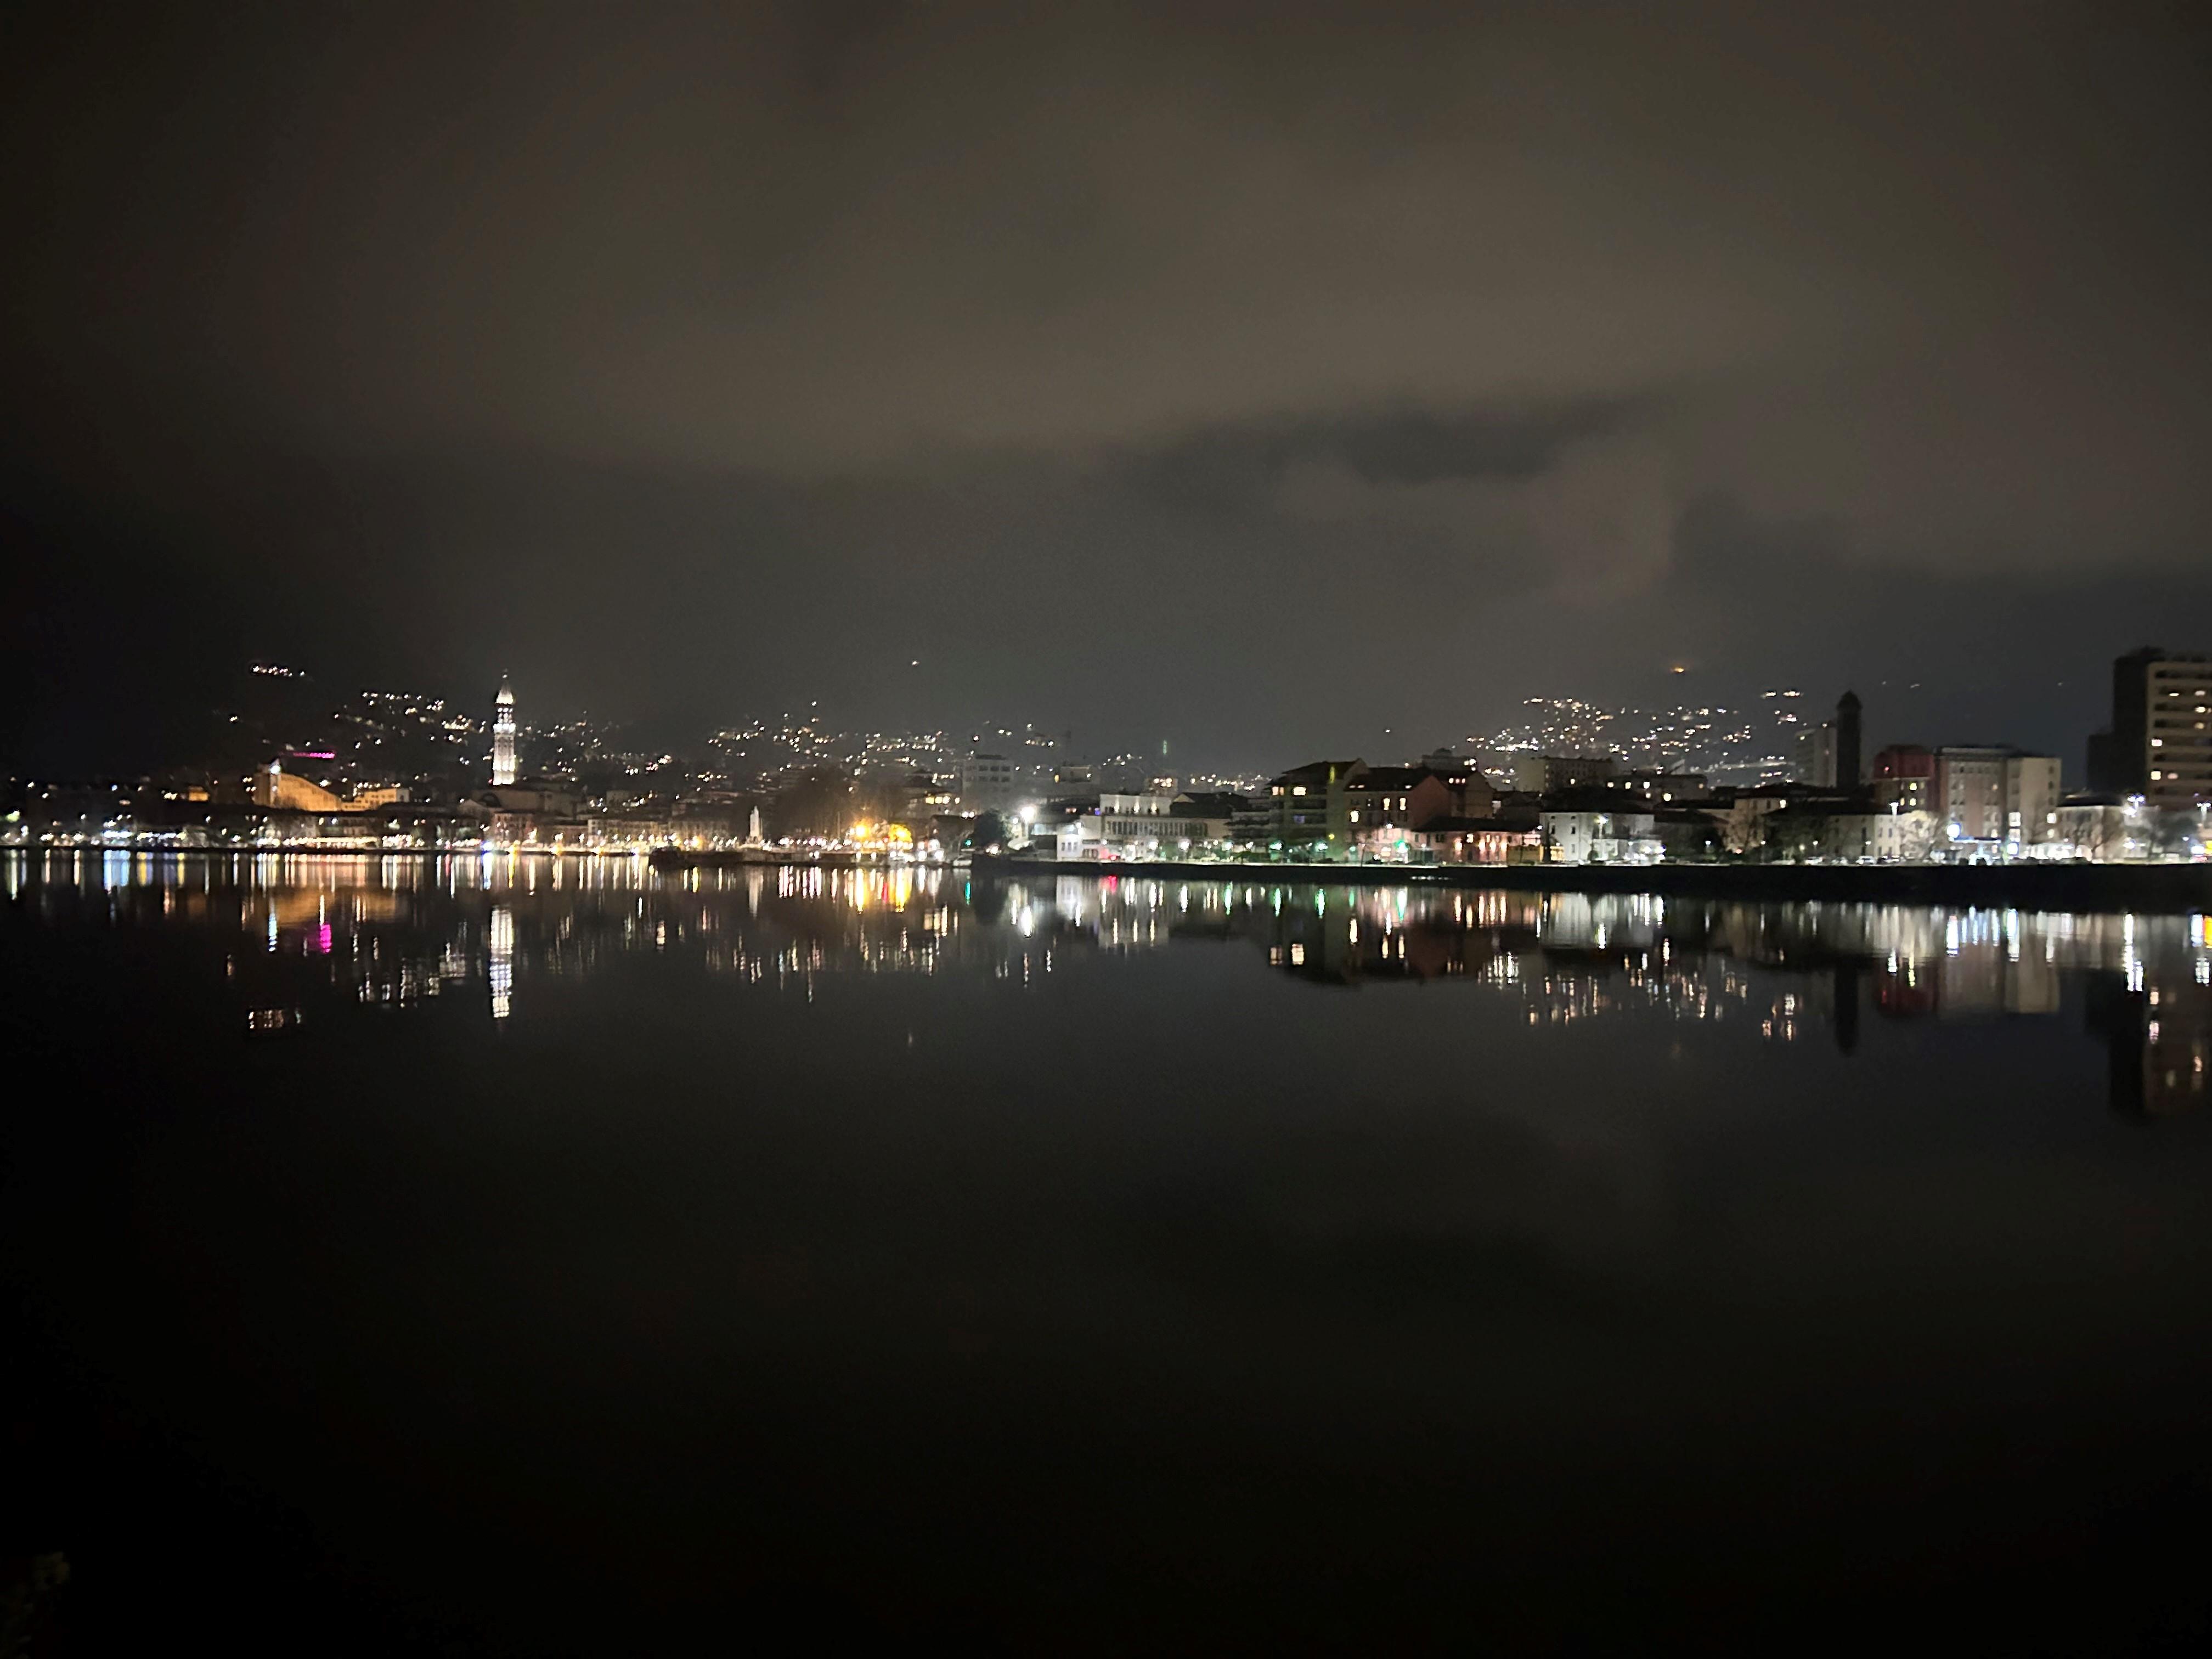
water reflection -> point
(399, 931)
(501, 972)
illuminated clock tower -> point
(502, 735)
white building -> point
(1611, 836)
(1147, 826)
(1902, 838)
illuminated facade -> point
(502, 735)
(274, 787)
(1144, 826)
(1996, 794)
(1609, 835)
(2160, 744)
(1312, 807)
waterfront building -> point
(1216, 811)
(2100, 828)
(1386, 804)
(1150, 826)
(1253, 821)
(289, 792)
(1458, 786)
(1850, 833)
(1510, 838)
(1996, 794)
(502, 734)
(1904, 778)
(1590, 829)
(1742, 815)
(274, 787)
(2159, 742)
(986, 784)
(1313, 807)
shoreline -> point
(2077, 887)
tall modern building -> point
(1816, 755)
(502, 735)
(1828, 754)
(2160, 743)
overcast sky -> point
(1257, 377)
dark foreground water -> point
(540, 1258)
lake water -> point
(517, 1256)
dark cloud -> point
(684, 356)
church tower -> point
(502, 735)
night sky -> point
(1257, 377)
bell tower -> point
(502, 735)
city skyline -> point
(1780, 781)
(1749, 735)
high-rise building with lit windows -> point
(2160, 744)
(502, 735)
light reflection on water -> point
(1009, 1240)
(397, 931)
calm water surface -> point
(524, 1257)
